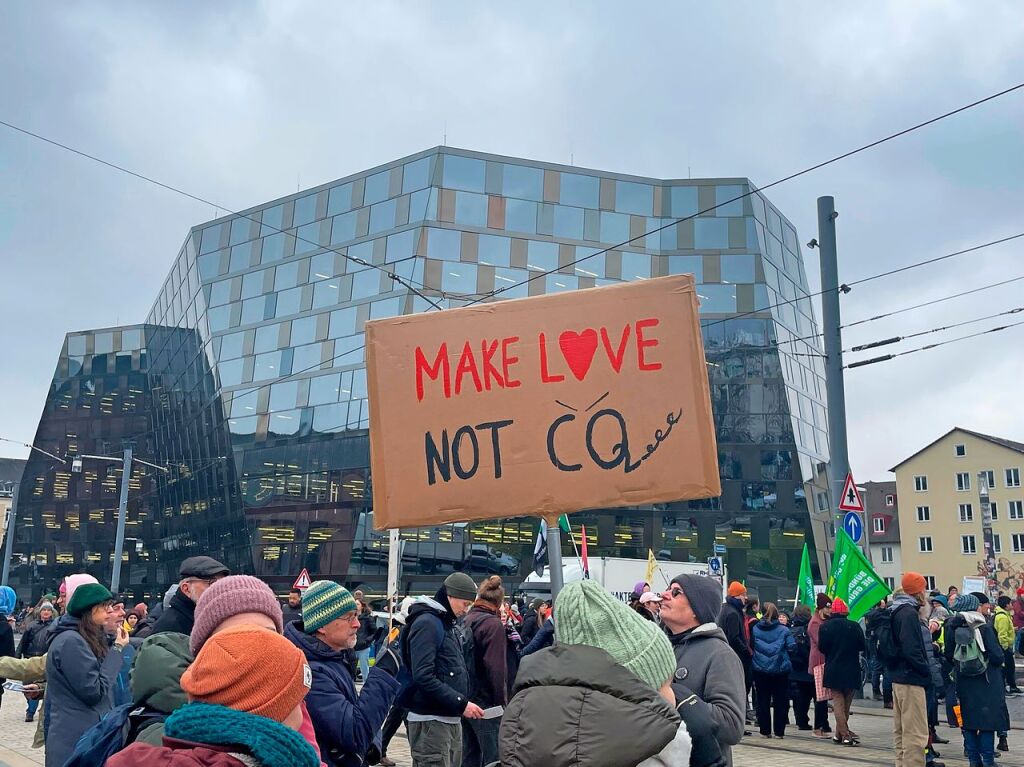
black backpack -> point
(464, 632)
(883, 639)
(800, 656)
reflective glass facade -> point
(257, 385)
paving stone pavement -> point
(797, 749)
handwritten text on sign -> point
(521, 408)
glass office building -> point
(251, 368)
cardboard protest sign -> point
(539, 406)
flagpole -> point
(575, 547)
(554, 555)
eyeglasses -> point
(676, 593)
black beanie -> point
(704, 595)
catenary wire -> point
(754, 190)
(898, 339)
(893, 355)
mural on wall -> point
(1009, 575)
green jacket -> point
(1003, 624)
(156, 679)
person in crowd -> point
(708, 672)
(881, 686)
(932, 692)
(141, 610)
(513, 646)
(784, 618)
(971, 645)
(1018, 610)
(910, 672)
(987, 610)
(33, 645)
(245, 689)
(131, 620)
(772, 644)
(841, 642)
(617, 667)
(1003, 625)
(531, 621)
(364, 638)
(545, 637)
(938, 608)
(649, 606)
(81, 670)
(732, 620)
(196, 575)
(639, 589)
(292, 609)
(8, 604)
(347, 723)
(816, 666)
(397, 715)
(438, 694)
(156, 684)
(116, 620)
(488, 673)
(951, 594)
(800, 675)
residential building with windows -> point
(247, 379)
(938, 489)
(882, 525)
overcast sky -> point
(242, 102)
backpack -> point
(967, 654)
(883, 640)
(800, 656)
(464, 632)
(117, 729)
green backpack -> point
(967, 654)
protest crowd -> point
(222, 674)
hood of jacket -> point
(799, 623)
(905, 599)
(64, 623)
(571, 705)
(156, 674)
(311, 647)
(433, 605)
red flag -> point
(583, 551)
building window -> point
(890, 500)
(878, 524)
(1012, 477)
(924, 544)
(966, 512)
(887, 554)
(920, 483)
(963, 481)
(924, 514)
(929, 582)
(968, 545)
(890, 583)
(994, 509)
(991, 476)
(1016, 510)
(997, 544)
(960, 450)
(1018, 543)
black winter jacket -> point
(530, 626)
(911, 666)
(841, 641)
(179, 616)
(732, 621)
(982, 699)
(438, 682)
(35, 639)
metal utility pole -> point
(554, 556)
(839, 460)
(9, 544)
(122, 516)
(986, 534)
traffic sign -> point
(715, 566)
(719, 548)
(851, 500)
(303, 581)
(853, 525)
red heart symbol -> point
(578, 350)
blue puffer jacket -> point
(346, 723)
(772, 644)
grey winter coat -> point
(574, 706)
(707, 667)
(79, 689)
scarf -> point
(271, 743)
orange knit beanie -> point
(250, 669)
(737, 589)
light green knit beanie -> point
(585, 613)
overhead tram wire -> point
(899, 339)
(894, 355)
(754, 190)
(249, 217)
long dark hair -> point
(93, 633)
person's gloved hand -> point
(388, 661)
(696, 715)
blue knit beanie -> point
(8, 600)
(323, 602)
(966, 603)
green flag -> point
(563, 522)
(805, 583)
(852, 578)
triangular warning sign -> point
(303, 581)
(851, 500)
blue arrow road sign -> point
(853, 526)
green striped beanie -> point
(323, 602)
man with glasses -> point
(708, 672)
(196, 575)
